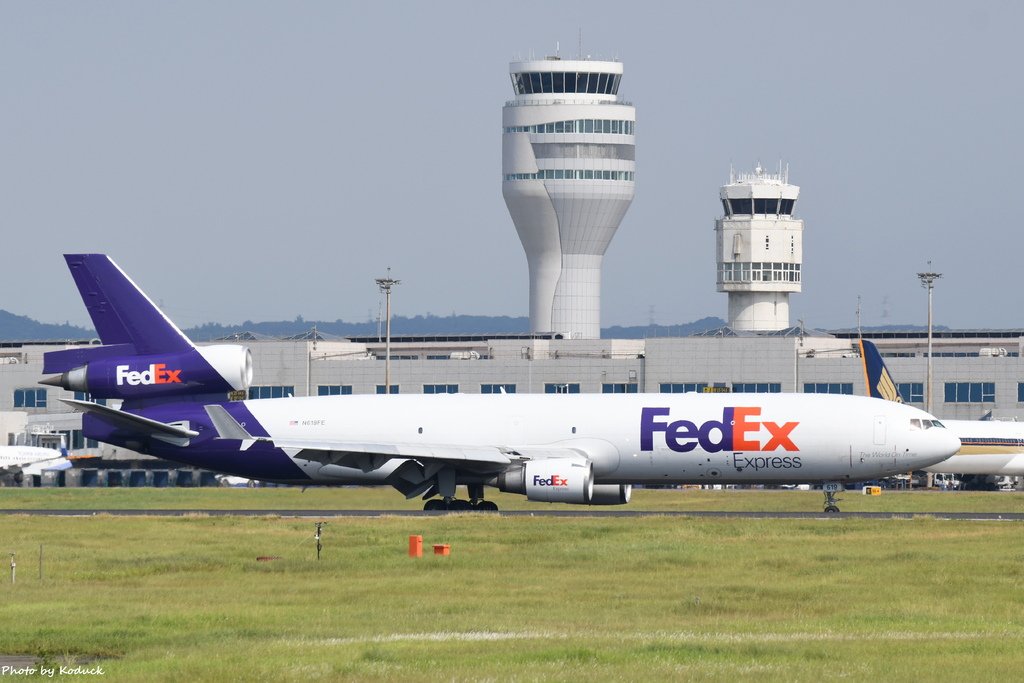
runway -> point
(327, 514)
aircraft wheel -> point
(459, 504)
(434, 504)
(486, 506)
(831, 508)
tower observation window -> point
(743, 207)
(760, 206)
(565, 82)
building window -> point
(440, 388)
(30, 398)
(618, 388)
(829, 388)
(334, 390)
(497, 388)
(268, 391)
(970, 392)
(758, 271)
(572, 174)
(1020, 392)
(911, 392)
(380, 388)
(606, 126)
(757, 388)
(562, 388)
(682, 387)
(83, 396)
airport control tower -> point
(759, 249)
(568, 175)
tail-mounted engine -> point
(103, 373)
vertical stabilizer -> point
(879, 381)
(121, 312)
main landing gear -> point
(831, 488)
(459, 505)
(476, 502)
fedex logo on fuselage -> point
(738, 430)
(156, 374)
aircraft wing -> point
(58, 462)
(55, 465)
(370, 456)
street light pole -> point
(928, 282)
(385, 284)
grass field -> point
(525, 598)
(386, 498)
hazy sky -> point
(262, 160)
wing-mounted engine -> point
(555, 480)
(109, 372)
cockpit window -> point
(915, 424)
(936, 423)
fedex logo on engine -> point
(553, 480)
(156, 374)
(738, 430)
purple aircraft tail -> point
(144, 356)
(121, 312)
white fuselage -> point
(987, 447)
(638, 438)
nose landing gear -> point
(831, 488)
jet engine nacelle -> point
(611, 494)
(556, 480)
(202, 370)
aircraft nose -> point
(939, 445)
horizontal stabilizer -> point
(172, 434)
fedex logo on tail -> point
(156, 374)
(739, 430)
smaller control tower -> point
(760, 249)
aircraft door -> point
(880, 425)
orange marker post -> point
(415, 546)
(442, 549)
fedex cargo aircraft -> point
(583, 449)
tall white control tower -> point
(760, 249)
(569, 166)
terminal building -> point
(568, 177)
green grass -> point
(525, 598)
(365, 498)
